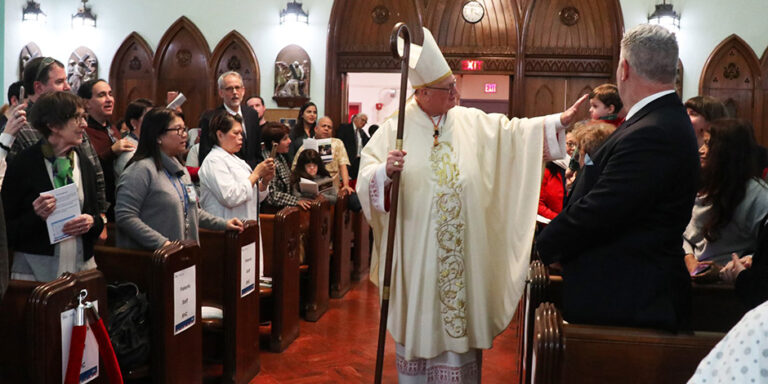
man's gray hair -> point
(227, 74)
(652, 51)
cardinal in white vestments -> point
(469, 190)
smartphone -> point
(22, 94)
(274, 150)
(701, 268)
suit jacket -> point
(251, 150)
(346, 133)
(25, 178)
(618, 239)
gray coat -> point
(149, 207)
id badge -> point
(191, 192)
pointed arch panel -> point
(732, 74)
(181, 64)
(234, 53)
(132, 74)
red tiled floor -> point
(341, 348)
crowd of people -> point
(140, 173)
(643, 197)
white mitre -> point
(426, 66)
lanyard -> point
(183, 198)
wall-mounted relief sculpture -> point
(292, 69)
(81, 67)
(29, 52)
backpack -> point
(129, 325)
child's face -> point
(597, 109)
(570, 144)
(311, 169)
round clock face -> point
(473, 12)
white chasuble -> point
(465, 223)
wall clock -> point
(473, 11)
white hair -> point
(227, 74)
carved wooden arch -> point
(132, 74)
(568, 45)
(358, 41)
(181, 64)
(732, 74)
(234, 53)
(572, 36)
(493, 39)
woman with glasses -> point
(156, 200)
(55, 161)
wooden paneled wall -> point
(183, 62)
(553, 50)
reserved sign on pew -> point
(184, 299)
(247, 269)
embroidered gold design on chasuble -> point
(450, 240)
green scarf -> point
(61, 167)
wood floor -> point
(341, 348)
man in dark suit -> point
(619, 238)
(231, 91)
(354, 139)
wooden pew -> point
(715, 308)
(316, 236)
(569, 353)
(341, 258)
(233, 340)
(174, 358)
(361, 250)
(280, 304)
(30, 325)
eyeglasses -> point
(181, 131)
(234, 88)
(450, 89)
(47, 61)
(81, 116)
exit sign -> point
(471, 65)
(490, 87)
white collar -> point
(231, 112)
(645, 101)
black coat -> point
(346, 133)
(619, 237)
(25, 178)
(251, 150)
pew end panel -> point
(341, 258)
(241, 320)
(361, 250)
(280, 304)
(173, 359)
(315, 294)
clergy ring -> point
(397, 163)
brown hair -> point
(53, 109)
(273, 132)
(591, 136)
(708, 107)
(608, 94)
